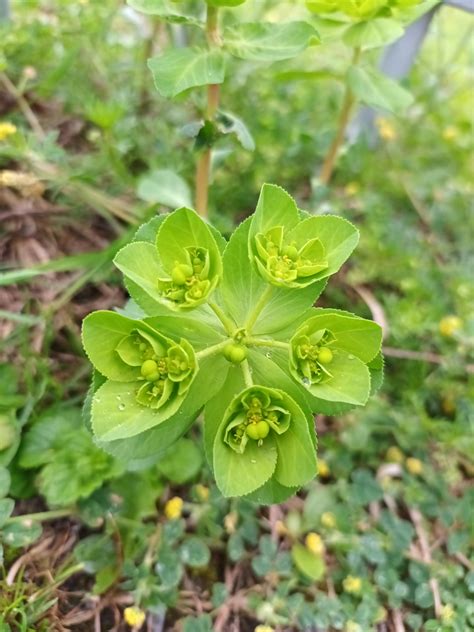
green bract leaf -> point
(269, 41)
(261, 432)
(294, 253)
(182, 68)
(373, 33)
(310, 564)
(377, 90)
(328, 356)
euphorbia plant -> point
(230, 328)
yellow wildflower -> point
(280, 528)
(414, 466)
(352, 584)
(6, 130)
(352, 626)
(351, 189)
(328, 520)
(394, 455)
(230, 522)
(264, 628)
(314, 543)
(449, 325)
(386, 129)
(323, 469)
(202, 492)
(450, 132)
(134, 617)
(174, 508)
(381, 615)
(447, 613)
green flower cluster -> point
(189, 283)
(360, 9)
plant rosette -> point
(329, 355)
(261, 433)
(148, 374)
(181, 269)
(252, 352)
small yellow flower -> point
(328, 520)
(202, 492)
(450, 132)
(381, 615)
(352, 584)
(134, 617)
(414, 466)
(323, 469)
(230, 522)
(394, 455)
(447, 613)
(264, 628)
(174, 508)
(351, 189)
(386, 129)
(6, 130)
(352, 626)
(280, 528)
(449, 325)
(314, 543)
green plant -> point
(230, 327)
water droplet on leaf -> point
(121, 406)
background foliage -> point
(380, 541)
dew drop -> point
(121, 406)
(268, 354)
(97, 399)
(351, 357)
(306, 382)
(118, 397)
(253, 461)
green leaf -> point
(216, 406)
(194, 552)
(163, 186)
(355, 335)
(377, 90)
(185, 229)
(5, 480)
(239, 474)
(271, 493)
(165, 9)
(21, 534)
(269, 41)
(311, 565)
(6, 507)
(181, 68)
(230, 124)
(199, 334)
(116, 414)
(140, 264)
(149, 230)
(338, 236)
(275, 207)
(373, 33)
(350, 382)
(182, 462)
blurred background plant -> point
(88, 151)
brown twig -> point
(376, 309)
(422, 356)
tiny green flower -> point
(257, 411)
(235, 353)
(284, 262)
(310, 353)
(189, 283)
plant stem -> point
(211, 350)
(260, 342)
(227, 322)
(203, 167)
(344, 116)
(247, 374)
(42, 516)
(23, 105)
(262, 301)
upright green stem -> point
(344, 117)
(262, 301)
(227, 322)
(211, 350)
(42, 516)
(260, 342)
(203, 167)
(247, 374)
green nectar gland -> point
(325, 355)
(235, 353)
